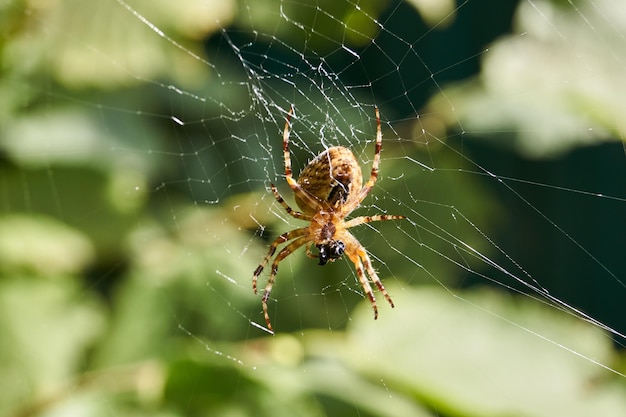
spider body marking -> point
(334, 176)
(329, 188)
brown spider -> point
(328, 189)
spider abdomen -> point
(333, 176)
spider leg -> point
(289, 210)
(358, 255)
(374, 174)
(311, 201)
(358, 265)
(286, 154)
(286, 251)
(285, 237)
(379, 146)
(373, 275)
(368, 219)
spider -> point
(328, 190)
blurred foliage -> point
(121, 293)
(568, 81)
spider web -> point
(502, 144)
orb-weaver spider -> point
(327, 191)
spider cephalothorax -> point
(328, 190)
(324, 229)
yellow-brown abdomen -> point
(333, 176)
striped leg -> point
(373, 275)
(286, 251)
(379, 147)
(285, 237)
(368, 219)
(311, 201)
(362, 263)
(286, 155)
(374, 174)
(289, 210)
(358, 265)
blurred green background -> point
(137, 142)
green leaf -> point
(487, 354)
(47, 327)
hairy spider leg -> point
(373, 275)
(285, 237)
(311, 200)
(358, 255)
(289, 210)
(286, 251)
(374, 173)
(354, 256)
(368, 219)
